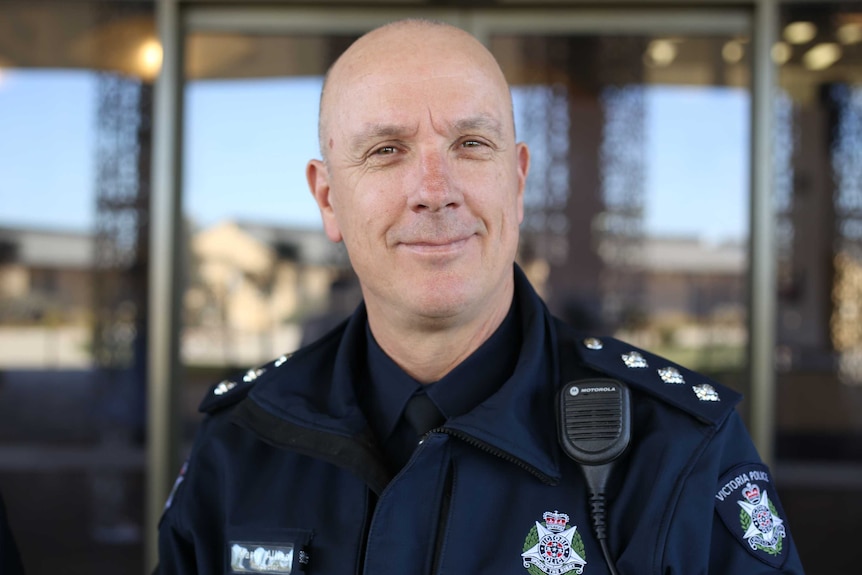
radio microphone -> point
(594, 425)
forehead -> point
(450, 98)
(402, 72)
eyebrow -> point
(480, 123)
(376, 131)
(373, 132)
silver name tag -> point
(253, 557)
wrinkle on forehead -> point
(381, 57)
(375, 131)
(479, 123)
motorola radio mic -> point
(594, 424)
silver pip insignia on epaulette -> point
(634, 360)
(253, 374)
(708, 400)
(671, 375)
(230, 391)
(224, 387)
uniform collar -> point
(384, 393)
(483, 372)
(316, 388)
(519, 418)
(472, 381)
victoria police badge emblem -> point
(748, 505)
(554, 548)
(764, 529)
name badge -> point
(263, 557)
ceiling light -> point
(821, 56)
(800, 32)
(150, 58)
(732, 52)
(781, 52)
(849, 33)
(127, 46)
(661, 52)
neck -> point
(428, 349)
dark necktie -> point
(421, 413)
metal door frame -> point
(176, 19)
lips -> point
(437, 234)
(436, 246)
(435, 242)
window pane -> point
(819, 212)
(74, 169)
(637, 200)
(262, 276)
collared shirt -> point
(388, 388)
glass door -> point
(262, 278)
(637, 201)
(638, 198)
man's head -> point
(422, 178)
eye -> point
(473, 148)
(385, 150)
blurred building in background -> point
(696, 189)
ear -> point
(523, 159)
(318, 182)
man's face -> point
(423, 181)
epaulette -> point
(230, 391)
(672, 383)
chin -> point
(442, 300)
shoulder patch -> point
(683, 388)
(747, 502)
(230, 391)
(180, 478)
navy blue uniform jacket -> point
(285, 477)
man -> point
(420, 437)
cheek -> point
(367, 210)
(494, 196)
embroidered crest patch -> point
(554, 548)
(748, 506)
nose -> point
(435, 188)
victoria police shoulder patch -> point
(747, 502)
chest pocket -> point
(274, 551)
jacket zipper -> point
(443, 517)
(442, 520)
(373, 509)
(371, 499)
(470, 440)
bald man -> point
(440, 428)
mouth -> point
(436, 246)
